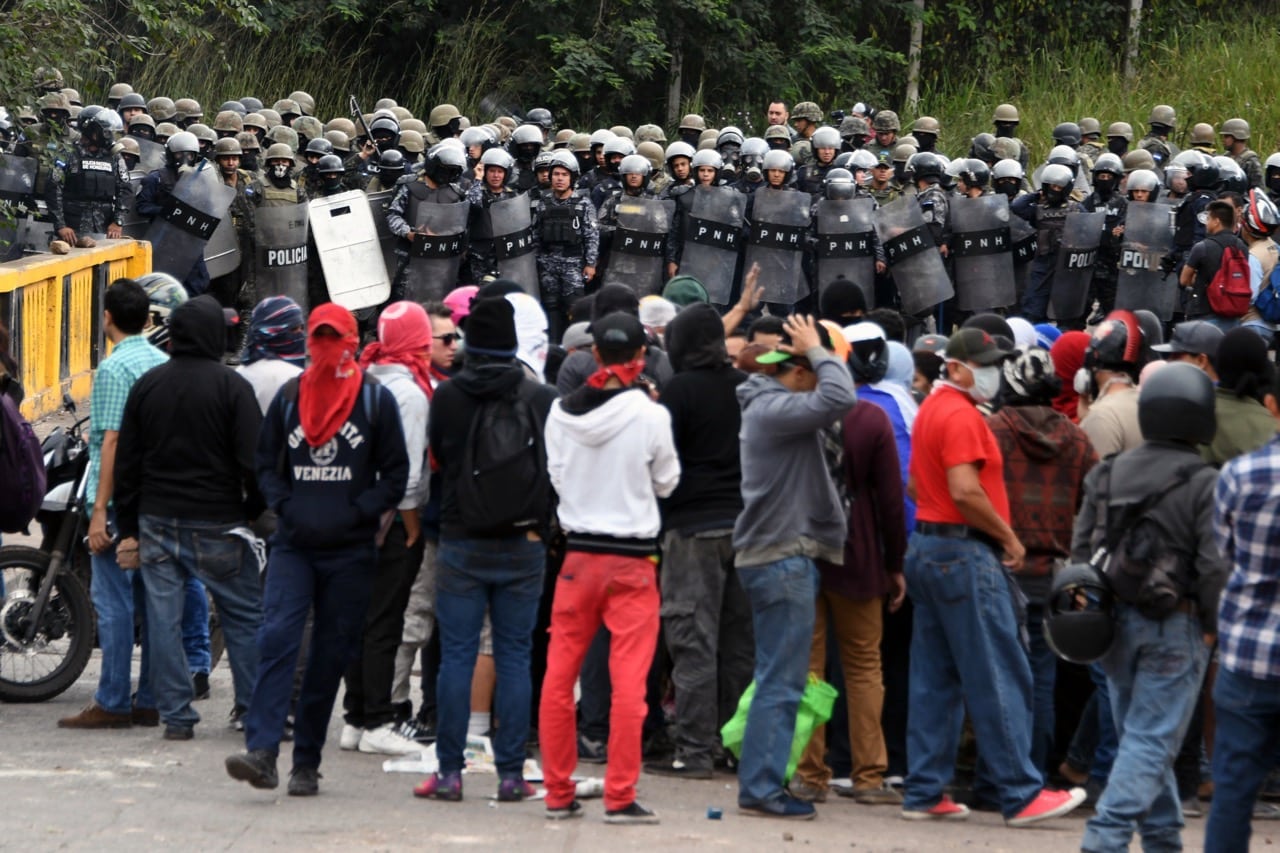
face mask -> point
(1118, 145)
(1082, 382)
(280, 171)
(986, 383)
(249, 161)
(1104, 189)
(1273, 183)
(1009, 188)
(899, 172)
(1054, 196)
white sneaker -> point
(350, 737)
(385, 740)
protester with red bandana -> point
(331, 461)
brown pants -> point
(857, 625)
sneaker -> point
(1266, 811)
(200, 683)
(304, 782)
(1048, 804)
(574, 809)
(287, 734)
(895, 782)
(172, 732)
(94, 716)
(785, 807)
(148, 717)
(806, 793)
(592, 751)
(439, 786)
(349, 740)
(882, 796)
(946, 809)
(515, 789)
(385, 740)
(678, 769)
(258, 768)
(633, 814)
(417, 731)
(235, 720)
(1191, 807)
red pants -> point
(623, 592)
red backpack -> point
(1228, 291)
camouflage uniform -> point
(1162, 150)
(568, 241)
(1251, 163)
(87, 192)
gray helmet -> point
(319, 146)
(305, 102)
(1176, 403)
(839, 184)
(1090, 127)
(807, 110)
(541, 116)
(1080, 625)
(287, 107)
(118, 91)
(227, 147)
(729, 136)
(565, 160)
(973, 172)
(340, 141)
(707, 157)
(619, 145)
(331, 164)
(1055, 174)
(635, 164)
(980, 147)
(412, 142)
(526, 134)
(1007, 169)
(498, 157)
(186, 109)
(780, 160)
(825, 137)
(1144, 179)
(308, 126)
(863, 159)
(132, 101)
(1163, 115)
(692, 121)
(1110, 164)
(753, 150)
(1139, 158)
(235, 107)
(601, 136)
(479, 137)
(203, 132)
(1122, 129)
(183, 142)
(679, 149)
(1236, 127)
(287, 135)
(886, 120)
(279, 151)
(140, 120)
(1067, 133)
(1230, 175)
(162, 109)
(1005, 114)
(251, 104)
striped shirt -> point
(129, 359)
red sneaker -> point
(946, 809)
(1048, 804)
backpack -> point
(21, 469)
(503, 485)
(1268, 299)
(1134, 557)
(1228, 291)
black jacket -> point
(188, 432)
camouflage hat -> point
(142, 119)
(186, 108)
(852, 126)
(308, 126)
(118, 91)
(401, 113)
(1139, 158)
(304, 101)
(1005, 148)
(650, 133)
(777, 131)
(806, 110)
(228, 121)
(623, 131)
(285, 106)
(273, 118)
(412, 141)
(248, 141)
(693, 121)
(127, 145)
(48, 78)
(166, 129)
(161, 109)
(255, 120)
(54, 101)
(886, 120)
(73, 97)
(287, 135)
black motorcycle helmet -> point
(1080, 625)
(1177, 404)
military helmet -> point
(308, 126)
(886, 120)
(1005, 114)
(776, 131)
(825, 137)
(412, 141)
(1120, 128)
(926, 124)
(679, 149)
(1067, 133)
(166, 129)
(287, 135)
(127, 145)
(807, 110)
(228, 122)
(780, 160)
(287, 106)
(1163, 114)
(305, 102)
(385, 103)
(48, 78)
(1080, 625)
(650, 133)
(162, 109)
(343, 124)
(619, 145)
(330, 164)
(203, 132)
(580, 143)
(417, 125)
(227, 147)
(248, 141)
(1090, 127)
(340, 141)
(118, 91)
(623, 131)
(319, 146)
(706, 157)
(497, 157)
(55, 102)
(254, 120)
(903, 152)
(271, 117)
(635, 164)
(1138, 159)
(564, 137)
(132, 101)
(652, 152)
(442, 114)
(251, 104)
(279, 151)
(1057, 175)
(235, 107)
(565, 160)
(1236, 127)
(142, 120)
(693, 121)
(507, 121)
(1202, 134)
(540, 116)
(187, 108)
(1109, 163)
(851, 126)
(1143, 179)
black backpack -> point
(503, 485)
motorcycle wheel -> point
(44, 668)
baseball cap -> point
(618, 330)
(1195, 337)
(777, 356)
(931, 343)
(884, 158)
(976, 346)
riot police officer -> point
(438, 182)
(825, 144)
(182, 155)
(568, 243)
(481, 261)
(1108, 172)
(89, 188)
(1046, 210)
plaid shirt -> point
(129, 359)
(1246, 523)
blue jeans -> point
(1248, 735)
(337, 584)
(966, 652)
(782, 597)
(1154, 670)
(504, 577)
(173, 550)
(195, 627)
(117, 595)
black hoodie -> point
(705, 419)
(455, 405)
(189, 430)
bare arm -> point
(976, 508)
(750, 298)
(99, 540)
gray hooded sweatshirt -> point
(790, 506)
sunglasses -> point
(449, 339)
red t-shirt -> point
(949, 431)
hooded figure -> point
(579, 365)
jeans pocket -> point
(218, 556)
(954, 582)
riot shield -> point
(280, 252)
(712, 238)
(222, 252)
(378, 203)
(512, 223)
(135, 224)
(914, 260)
(1022, 237)
(1081, 234)
(845, 244)
(151, 154)
(346, 240)
(637, 258)
(776, 241)
(436, 251)
(178, 235)
(982, 252)
(1147, 239)
(17, 177)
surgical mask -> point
(986, 383)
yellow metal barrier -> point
(52, 305)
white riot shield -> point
(914, 260)
(1081, 235)
(1147, 239)
(846, 244)
(982, 253)
(776, 241)
(222, 252)
(436, 251)
(637, 257)
(280, 252)
(512, 223)
(179, 234)
(712, 239)
(346, 241)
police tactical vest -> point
(91, 178)
(1049, 224)
(561, 226)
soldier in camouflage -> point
(805, 118)
(89, 187)
(1235, 143)
(1161, 123)
(1090, 148)
(882, 188)
(568, 243)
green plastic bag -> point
(815, 709)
